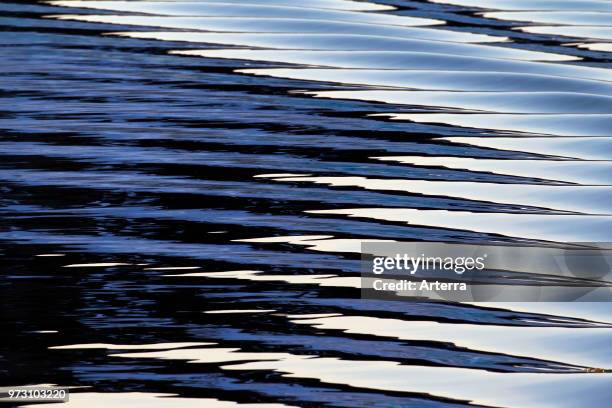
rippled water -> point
(185, 186)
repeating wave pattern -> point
(186, 185)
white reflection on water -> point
(591, 32)
(324, 4)
(146, 400)
(239, 311)
(441, 80)
(560, 198)
(568, 171)
(403, 60)
(556, 17)
(283, 25)
(501, 102)
(550, 5)
(553, 125)
(155, 346)
(172, 268)
(587, 347)
(282, 175)
(328, 280)
(476, 386)
(312, 316)
(605, 47)
(349, 42)
(323, 243)
(211, 355)
(558, 228)
(583, 148)
(96, 265)
(590, 312)
(517, 389)
(177, 8)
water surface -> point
(186, 186)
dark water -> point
(183, 202)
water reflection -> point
(141, 399)
(182, 210)
(555, 17)
(590, 32)
(581, 348)
(177, 8)
(537, 5)
(283, 25)
(565, 171)
(348, 42)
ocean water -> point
(185, 185)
